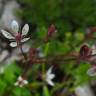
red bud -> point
(51, 30)
(85, 51)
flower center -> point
(18, 36)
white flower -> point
(49, 76)
(92, 71)
(16, 37)
(21, 82)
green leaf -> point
(10, 71)
(80, 74)
(21, 92)
(2, 87)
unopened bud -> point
(85, 50)
(51, 30)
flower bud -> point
(85, 51)
(51, 30)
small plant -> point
(34, 75)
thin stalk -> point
(25, 57)
(45, 52)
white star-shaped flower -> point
(92, 71)
(17, 37)
(21, 82)
(49, 76)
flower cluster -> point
(21, 81)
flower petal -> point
(25, 29)
(24, 40)
(16, 83)
(13, 44)
(49, 71)
(15, 26)
(7, 34)
(50, 82)
(25, 81)
(51, 76)
(20, 78)
(92, 71)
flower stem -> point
(25, 57)
(46, 52)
